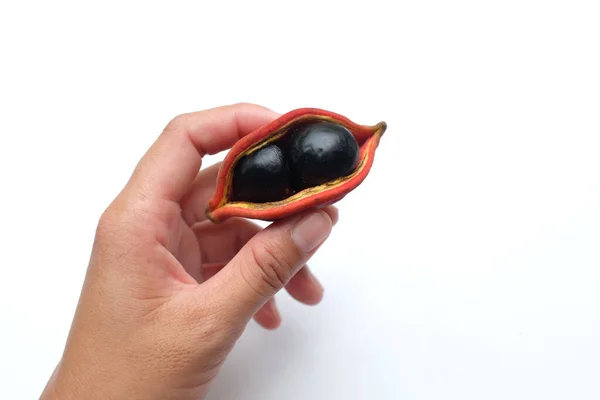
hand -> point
(168, 293)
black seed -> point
(262, 176)
(321, 152)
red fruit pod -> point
(223, 206)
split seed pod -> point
(306, 158)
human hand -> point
(167, 292)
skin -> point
(168, 293)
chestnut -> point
(262, 176)
(306, 158)
(321, 152)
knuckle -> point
(244, 231)
(120, 224)
(243, 104)
(177, 123)
(237, 224)
(210, 322)
(107, 224)
(196, 323)
(111, 235)
(274, 266)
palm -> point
(203, 248)
(195, 249)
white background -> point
(467, 266)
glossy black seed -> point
(262, 176)
(320, 152)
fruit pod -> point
(224, 204)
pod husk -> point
(220, 207)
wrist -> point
(69, 382)
(59, 387)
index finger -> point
(169, 167)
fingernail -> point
(311, 231)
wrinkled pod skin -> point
(306, 158)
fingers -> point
(193, 204)
(210, 270)
(267, 263)
(220, 243)
(268, 316)
(305, 288)
(170, 166)
(333, 212)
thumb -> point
(267, 262)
